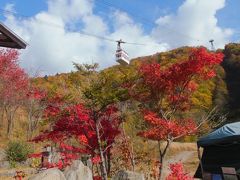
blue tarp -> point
(229, 133)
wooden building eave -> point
(9, 39)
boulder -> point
(128, 175)
(28, 162)
(55, 157)
(78, 171)
(49, 174)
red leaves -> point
(35, 93)
(13, 79)
(35, 155)
(75, 122)
(162, 129)
(69, 148)
(177, 173)
(203, 55)
(96, 160)
(83, 139)
(169, 90)
(97, 178)
(210, 74)
(176, 83)
(59, 165)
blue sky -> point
(26, 7)
(161, 24)
(150, 10)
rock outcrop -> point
(78, 171)
(128, 175)
(49, 174)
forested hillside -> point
(124, 116)
(211, 93)
(231, 65)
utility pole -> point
(212, 45)
(119, 44)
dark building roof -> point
(220, 149)
(9, 39)
(229, 133)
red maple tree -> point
(164, 92)
(74, 132)
(13, 85)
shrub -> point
(18, 151)
(177, 173)
(36, 162)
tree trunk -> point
(162, 154)
(9, 124)
(30, 124)
(102, 163)
(130, 149)
(9, 128)
(108, 162)
(92, 169)
(10, 118)
(161, 167)
(160, 160)
(2, 117)
(132, 158)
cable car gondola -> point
(121, 56)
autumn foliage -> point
(162, 129)
(177, 82)
(89, 124)
(13, 78)
(177, 173)
(165, 92)
(13, 85)
(74, 131)
(169, 90)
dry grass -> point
(179, 146)
(12, 172)
(186, 153)
(190, 163)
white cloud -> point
(53, 47)
(126, 28)
(70, 10)
(195, 23)
(10, 7)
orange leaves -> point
(83, 139)
(192, 86)
(210, 74)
